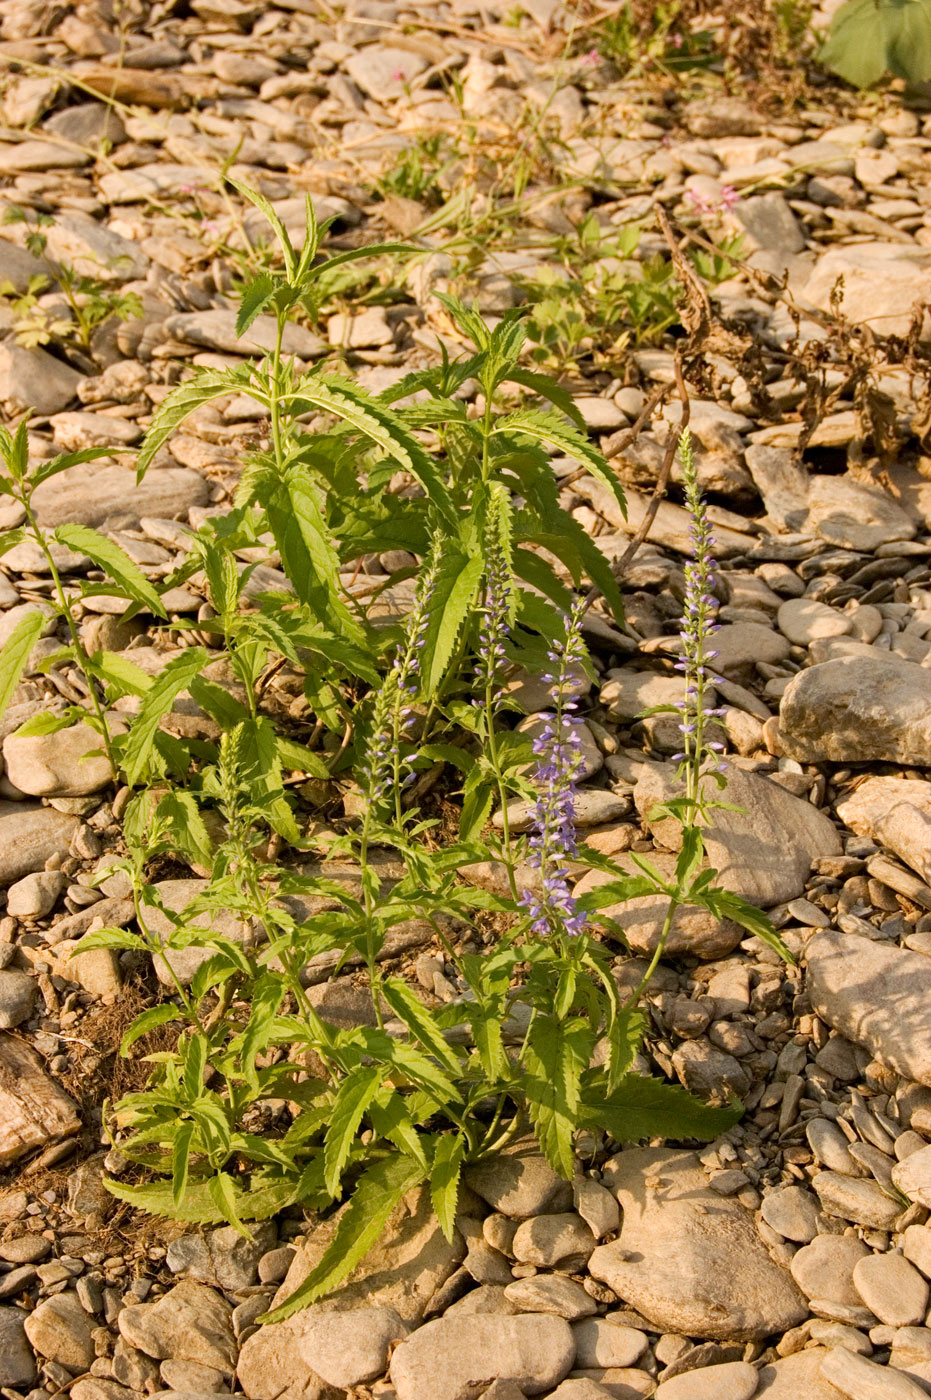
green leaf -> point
(186, 826)
(149, 1021)
(355, 1094)
(115, 562)
(180, 1161)
(278, 228)
(253, 299)
(690, 857)
(16, 652)
(868, 38)
(557, 1053)
(448, 1157)
(43, 471)
(548, 429)
(642, 1108)
(547, 388)
(451, 602)
(194, 1060)
(119, 939)
(223, 1192)
(266, 998)
(374, 1199)
(209, 384)
(391, 1119)
(301, 759)
(198, 1205)
(116, 670)
(308, 555)
(156, 703)
(418, 1018)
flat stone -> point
(601, 1342)
(734, 1380)
(519, 1182)
(798, 1376)
(17, 1363)
(882, 283)
(221, 1258)
(546, 1240)
(596, 1205)
(803, 620)
(551, 1293)
(913, 1176)
(860, 1379)
(687, 1259)
(830, 1147)
(764, 850)
(67, 763)
(875, 994)
(60, 1330)
(458, 1358)
(863, 811)
(628, 693)
(216, 330)
(862, 1202)
(35, 895)
(188, 1323)
(892, 1289)
(740, 645)
(17, 998)
(94, 493)
(34, 379)
(793, 1212)
(916, 1246)
(271, 1365)
(348, 1348)
(824, 1268)
(384, 71)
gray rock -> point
(601, 1342)
(740, 645)
(348, 1348)
(767, 222)
(892, 1289)
(688, 1259)
(519, 1182)
(882, 282)
(551, 1293)
(804, 620)
(856, 709)
(862, 1202)
(597, 1207)
(60, 1330)
(793, 1212)
(222, 1258)
(189, 1376)
(93, 494)
(546, 1240)
(17, 1363)
(31, 835)
(188, 1323)
(860, 1379)
(734, 1380)
(458, 1358)
(34, 379)
(216, 330)
(854, 515)
(17, 997)
(877, 995)
(99, 1388)
(67, 763)
(35, 895)
(271, 1366)
(797, 1376)
(764, 850)
(383, 71)
(824, 1268)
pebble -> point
(793, 1212)
(735, 1380)
(349, 1348)
(35, 896)
(448, 1359)
(519, 1182)
(803, 620)
(188, 1323)
(17, 997)
(546, 1240)
(860, 1379)
(60, 1330)
(862, 1202)
(913, 1176)
(67, 763)
(892, 1289)
(857, 709)
(916, 1246)
(17, 1363)
(824, 1268)
(30, 836)
(600, 1342)
(551, 1293)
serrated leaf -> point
(868, 38)
(16, 652)
(266, 997)
(547, 388)
(355, 1094)
(118, 671)
(253, 299)
(375, 1197)
(278, 228)
(181, 1161)
(452, 599)
(548, 429)
(642, 1108)
(44, 471)
(556, 1054)
(186, 826)
(408, 1007)
(119, 939)
(149, 1020)
(448, 1157)
(115, 562)
(209, 384)
(156, 703)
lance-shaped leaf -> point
(448, 1157)
(16, 653)
(451, 602)
(548, 429)
(355, 1094)
(114, 561)
(203, 388)
(643, 1108)
(156, 703)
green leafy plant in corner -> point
(871, 38)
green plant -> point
(419, 168)
(655, 35)
(90, 301)
(869, 38)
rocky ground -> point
(792, 1257)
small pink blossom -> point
(399, 77)
(699, 202)
(590, 59)
(729, 197)
(675, 40)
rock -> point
(410, 1261)
(35, 895)
(271, 1366)
(94, 493)
(519, 1182)
(216, 330)
(597, 1207)
(863, 811)
(882, 283)
(60, 1330)
(546, 1240)
(188, 1323)
(764, 850)
(892, 1289)
(551, 1293)
(601, 1342)
(17, 1363)
(348, 1348)
(856, 709)
(34, 379)
(34, 1111)
(906, 831)
(798, 1376)
(694, 933)
(860, 1379)
(792, 1212)
(688, 1259)
(740, 645)
(877, 995)
(222, 1258)
(863, 1202)
(627, 693)
(824, 1268)
(94, 250)
(383, 71)
(855, 515)
(458, 1358)
(67, 763)
(709, 1073)
(735, 1380)
(916, 1246)
(17, 997)
(913, 1176)
(803, 620)
(782, 481)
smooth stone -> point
(830, 1147)
(35, 895)
(17, 1363)
(458, 1358)
(519, 1182)
(906, 831)
(551, 1293)
(916, 1246)
(31, 835)
(910, 1346)
(734, 1380)
(792, 1212)
(892, 1288)
(824, 1268)
(68, 763)
(348, 1348)
(596, 1205)
(687, 1259)
(856, 710)
(601, 1342)
(221, 1258)
(546, 1240)
(271, 1365)
(863, 811)
(762, 851)
(60, 1330)
(34, 379)
(739, 645)
(913, 1176)
(188, 1323)
(17, 998)
(860, 1379)
(628, 693)
(862, 1202)
(803, 620)
(93, 493)
(877, 995)
(797, 1377)
(881, 283)
(216, 330)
